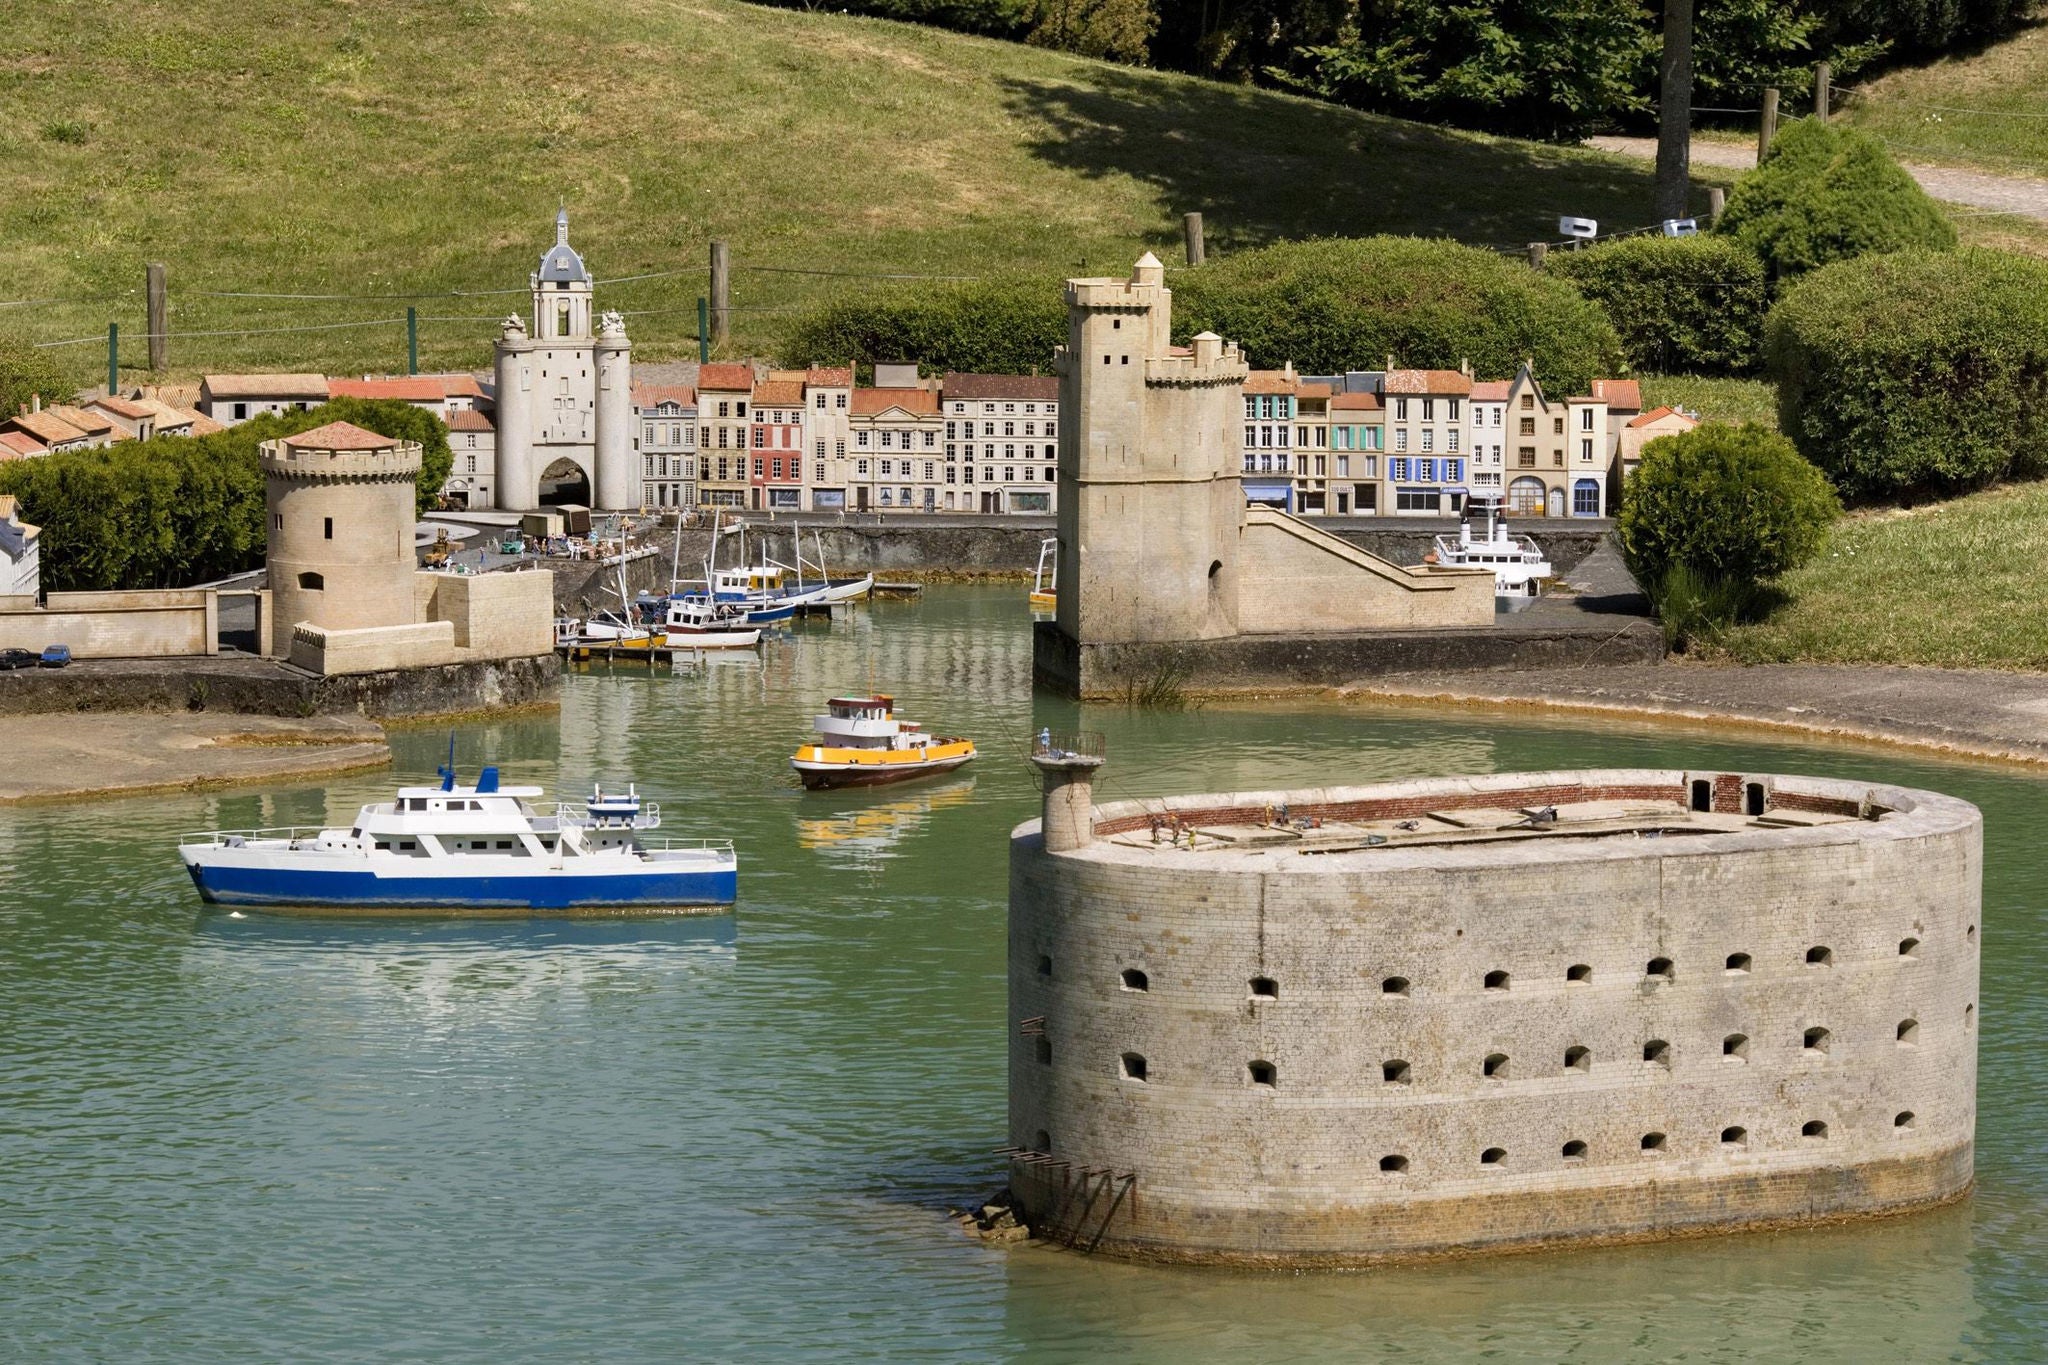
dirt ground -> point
(53, 757)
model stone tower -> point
(564, 391)
(341, 504)
(1150, 455)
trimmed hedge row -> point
(1327, 305)
(1918, 374)
(1682, 305)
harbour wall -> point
(1268, 663)
(252, 686)
(915, 545)
(1385, 1054)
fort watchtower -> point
(341, 505)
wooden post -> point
(1767, 126)
(1821, 74)
(1717, 200)
(703, 330)
(412, 340)
(1191, 229)
(113, 358)
(159, 306)
(1537, 251)
(721, 293)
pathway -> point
(1978, 714)
(2015, 194)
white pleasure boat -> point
(1518, 566)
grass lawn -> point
(1983, 109)
(392, 146)
(1957, 585)
(1752, 401)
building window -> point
(327, 528)
(1133, 1067)
(1400, 438)
(311, 582)
(1263, 1073)
(860, 438)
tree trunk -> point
(1674, 112)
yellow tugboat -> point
(861, 743)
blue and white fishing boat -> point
(480, 848)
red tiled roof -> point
(1658, 414)
(167, 417)
(779, 393)
(218, 386)
(829, 376)
(15, 445)
(340, 436)
(653, 395)
(1001, 388)
(202, 425)
(725, 378)
(468, 419)
(916, 402)
(46, 426)
(1622, 395)
(91, 423)
(1357, 402)
(1492, 391)
(1312, 391)
(1432, 382)
(417, 388)
(461, 384)
(1269, 381)
(123, 407)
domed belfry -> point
(564, 392)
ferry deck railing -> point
(1064, 744)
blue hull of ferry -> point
(276, 886)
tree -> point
(1712, 515)
(1118, 29)
(1682, 305)
(1825, 192)
(26, 374)
(1674, 112)
(1535, 68)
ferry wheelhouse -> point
(862, 743)
(1518, 566)
(482, 848)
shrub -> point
(994, 327)
(177, 510)
(1827, 192)
(1349, 303)
(1714, 513)
(1916, 374)
(25, 373)
(1682, 305)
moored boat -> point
(485, 848)
(694, 623)
(1043, 596)
(862, 743)
(1518, 566)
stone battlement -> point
(1349, 1024)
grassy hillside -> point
(1956, 585)
(399, 146)
(1988, 109)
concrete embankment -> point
(232, 684)
(129, 753)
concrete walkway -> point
(2019, 195)
(53, 757)
(1978, 714)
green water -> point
(732, 1138)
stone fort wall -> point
(1340, 1059)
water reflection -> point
(866, 829)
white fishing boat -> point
(486, 847)
(695, 623)
(1518, 566)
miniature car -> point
(56, 656)
(16, 658)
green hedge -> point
(176, 510)
(1916, 374)
(1827, 192)
(1349, 303)
(1682, 305)
(1327, 305)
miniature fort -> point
(1347, 1025)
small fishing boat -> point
(1043, 595)
(480, 848)
(1518, 566)
(861, 743)
(694, 623)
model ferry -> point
(1518, 566)
(861, 743)
(485, 847)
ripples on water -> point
(730, 1137)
